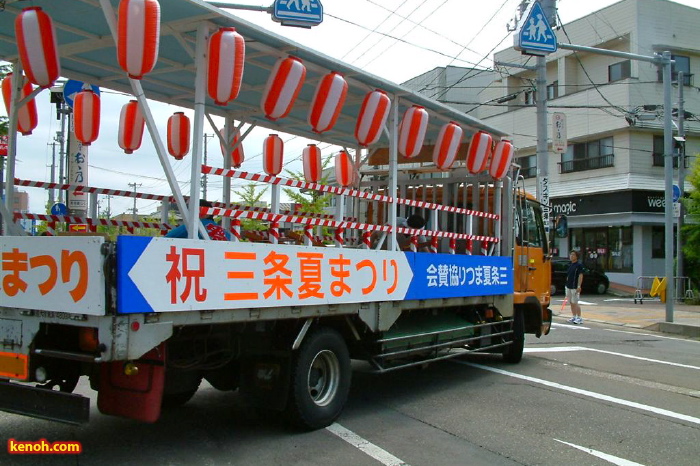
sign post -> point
(299, 13)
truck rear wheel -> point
(513, 353)
(320, 380)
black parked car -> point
(593, 281)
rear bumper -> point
(44, 404)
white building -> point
(610, 180)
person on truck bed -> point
(215, 231)
(414, 221)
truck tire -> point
(320, 380)
(177, 399)
(513, 353)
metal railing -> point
(682, 290)
(592, 163)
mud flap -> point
(136, 396)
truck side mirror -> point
(561, 226)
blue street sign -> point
(534, 35)
(300, 13)
(676, 193)
(72, 87)
(59, 209)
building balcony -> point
(592, 163)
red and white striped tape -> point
(346, 191)
(91, 221)
(264, 216)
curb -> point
(692, 331)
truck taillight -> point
(88, 339)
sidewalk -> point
(650, 315)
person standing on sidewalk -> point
(574, 280)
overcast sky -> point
(430, 33)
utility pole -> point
(681, 173)
(53, 170)
(204, 176)
(549, 8)
(134, 210)
(109, 206)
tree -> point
(248, 195)
(4, 121)
(310, 201)
(691, 230)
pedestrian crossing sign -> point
(534, 35)
(300, 13)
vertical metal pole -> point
(53, 171)
(229, 131)
(393, 169)
(198, 130)
(681, 175)
(12, 143)
(65, 113)
(668, 187)
(548, 6)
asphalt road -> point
(584, 395)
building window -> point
(618, 71)
(606, 249)
(528, 166)
(657, 242)
(658, 153)
(589, 155)
(553, 90)
(681, 63)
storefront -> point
(620, 233)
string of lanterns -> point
(137, 53)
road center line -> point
(604, 456)
(365, 446)
(579, 391)
(563, 349)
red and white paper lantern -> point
(502, 157)
(178, 135)
(447, 145)
(131, 124)
(283, 87)
(344, 169)
(479, 152)
(311, 158)
(138, 36)
(36, 42)
(27, 116)
(237, 155)
(373, 115)
(327, 102)
(273, 152)
(225, 65)
(86, 112)
(412, 131)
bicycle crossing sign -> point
(534, 35)
(300, 13)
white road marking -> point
(574, 326)
(585, 303)
(563, 349)
(652, 335)
(604, 456)
(365, 446)
(579, 391)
